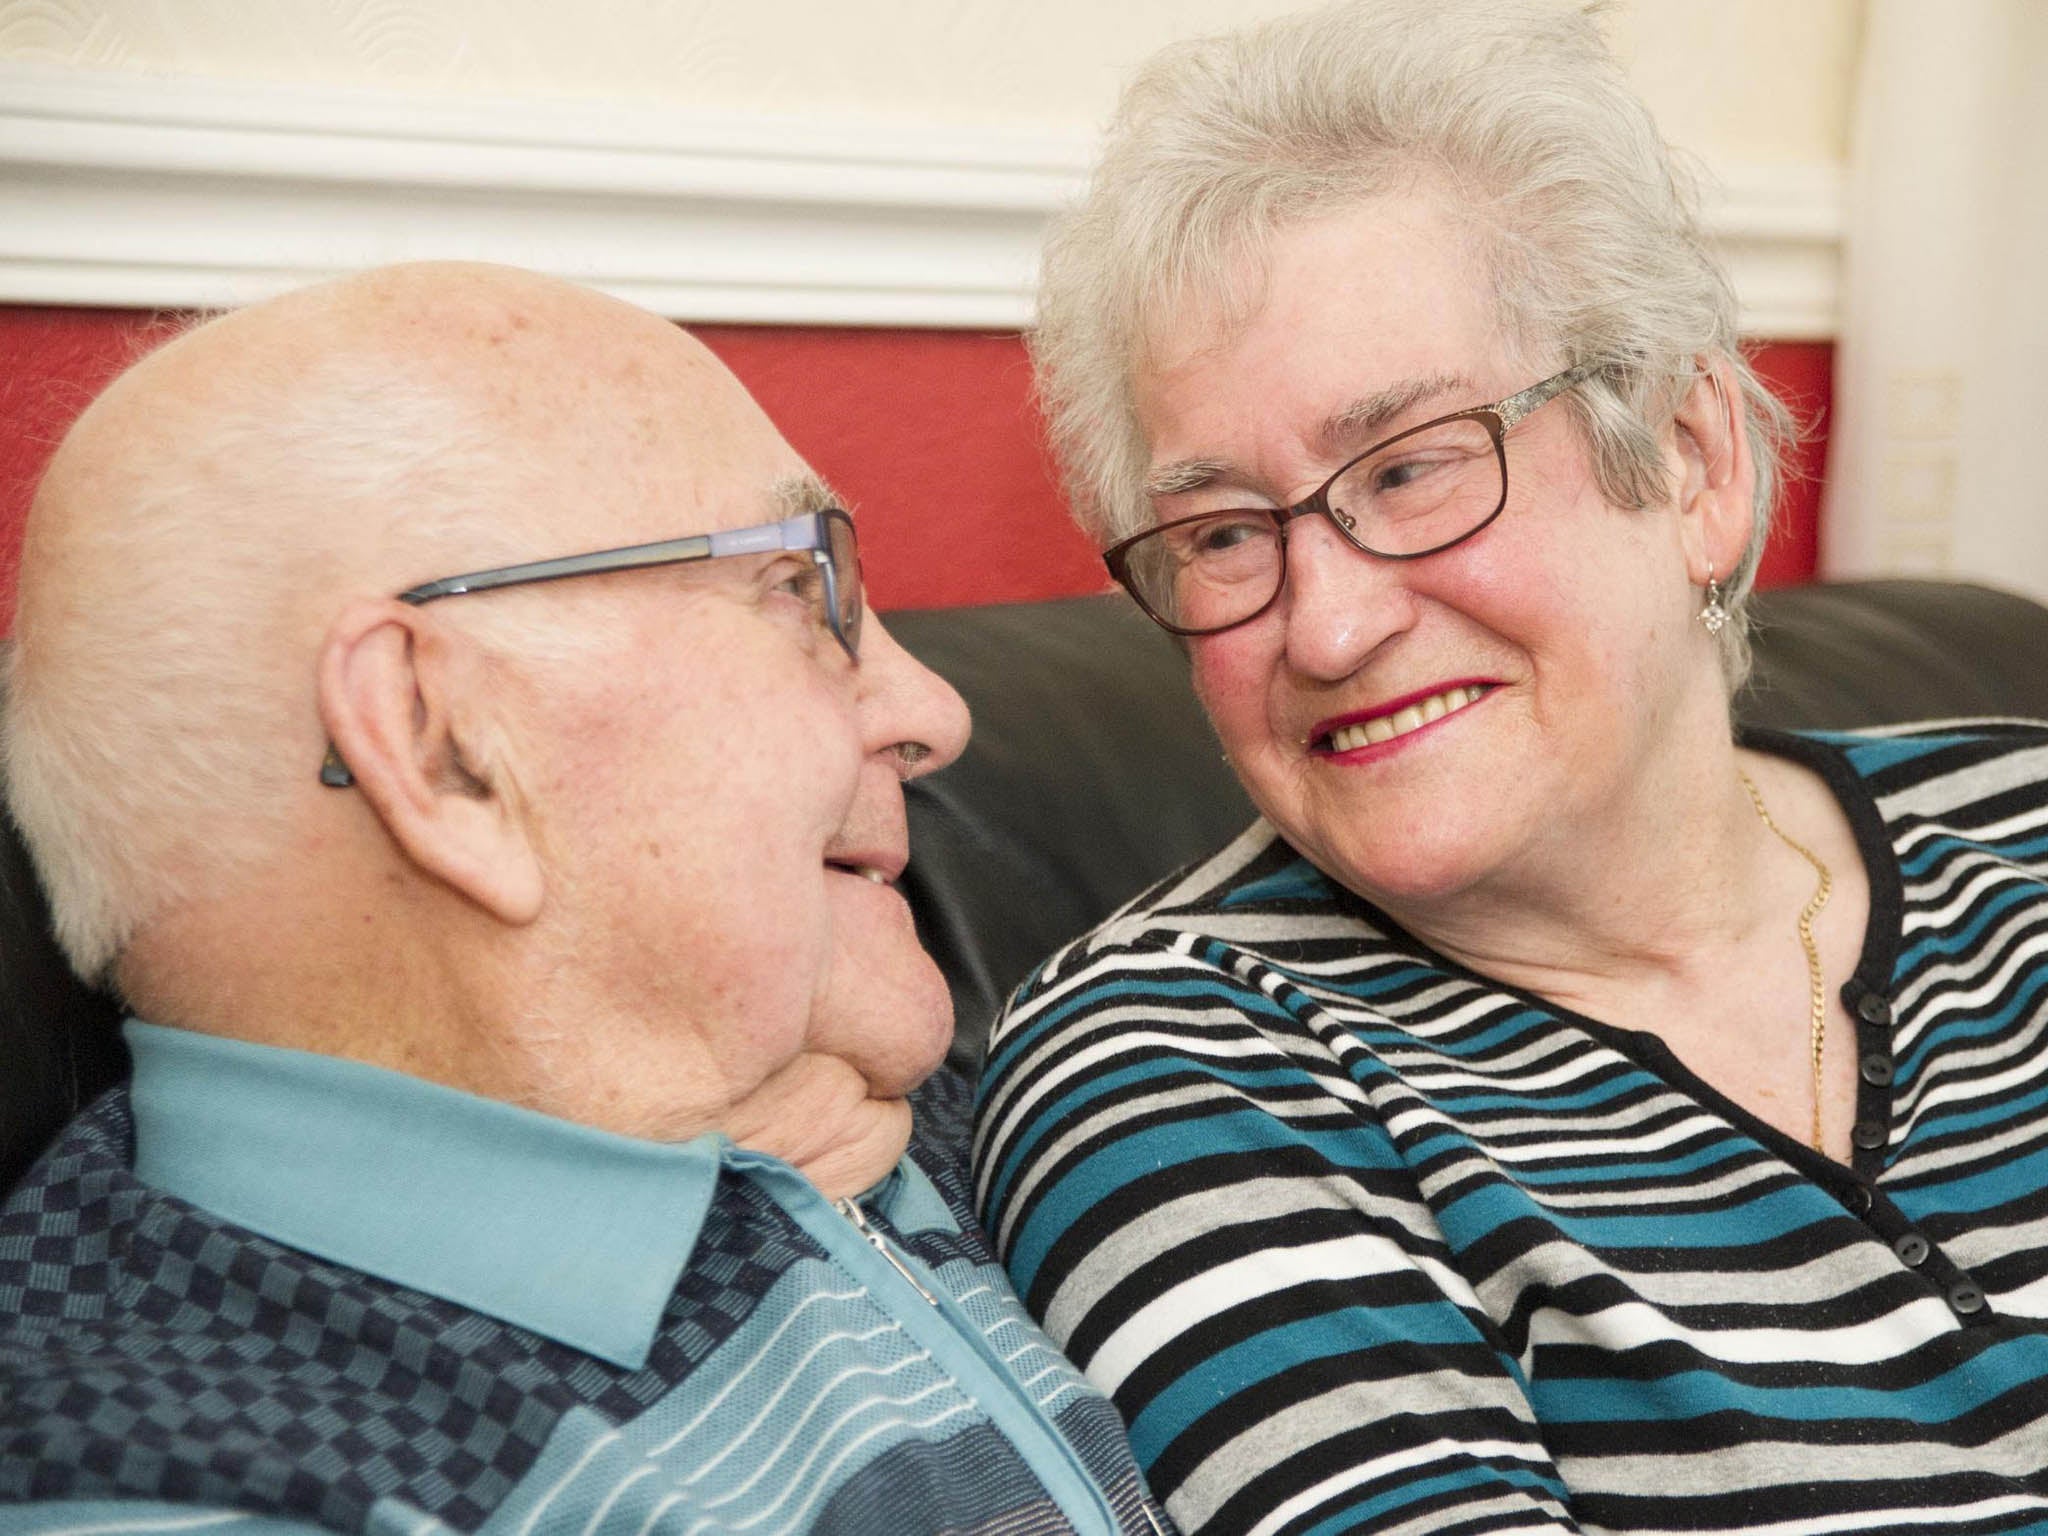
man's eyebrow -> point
(1340, 433)
(805, 492)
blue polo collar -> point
(574, 1233)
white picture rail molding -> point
(144, 192)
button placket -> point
(1875, 1072)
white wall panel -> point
(887, 161)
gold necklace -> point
(1817, 1029)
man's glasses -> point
(832, 585)
(1413, 495)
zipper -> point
(963, 1329)
(951, 1338)
(853, 1213)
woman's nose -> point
(1341, 604)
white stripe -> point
(1633, 1324)
(817, 1398)
(1966, 786)
(815, 1299)
(1247, 1277)
(171, 1523)
(820, 1480)
(1400, 1461)
(603, 1511)
(1930, 1518)
(608, 1438)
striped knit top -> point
(1358, 1240)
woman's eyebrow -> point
(1185, 475)
(1339, 433)
(1366, 417)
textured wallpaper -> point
(1750, 80)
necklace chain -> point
(1817, 1028)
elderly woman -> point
(1558, 1112)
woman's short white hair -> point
(1515, 111)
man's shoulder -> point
(58, 1225)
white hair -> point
(1512, 109)
(161, 709)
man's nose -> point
(1341, 604)
(906, 706)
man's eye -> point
(799, 578)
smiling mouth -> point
(1412, 716)
(865, 871)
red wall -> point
(930, 435)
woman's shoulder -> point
(1943, 766)
(1255, 894)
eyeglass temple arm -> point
(799, 532)
(1515, 407)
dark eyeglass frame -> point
(810, 532)
(1499, 419)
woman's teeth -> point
(1411, 717)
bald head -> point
(354, 421)
(209, 515)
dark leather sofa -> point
(1092, 773)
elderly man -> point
(517, 1140)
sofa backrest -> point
(1092, 773)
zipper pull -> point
(880, 1244)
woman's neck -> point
(1651, 889)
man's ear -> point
(1717, 475)
(393, 692)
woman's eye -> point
(1392, 477)
(1221, 536)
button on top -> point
(1877, 1069)
(1867, 1134)
(1966, 1297)
(1912, 1250)
(1873, 1009)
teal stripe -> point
(1726, 1147)
(1476, 1480)
(1471, 1218)
(1051, 1119)
(1151, 1149)
(1952, 1030)
(1868, 757)
(1274, 1351)
(1945, 845)
(1106, 994)
(1978, 1192)
(2020, 1364)
(1964, 940)
(1299, 881)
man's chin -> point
(893, 1022)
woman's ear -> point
(1717, 474)
(394, 691)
